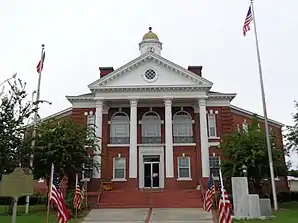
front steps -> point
(135, 198)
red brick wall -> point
(226, 120)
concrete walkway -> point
(155, 215)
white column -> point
(204, 139)
(169, 138)
(133, 152)
(98, 132)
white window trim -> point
(119, 179)
(189, 167)
(215, 129)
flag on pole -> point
(209, 195)
(78, 195)
(224, 206)
(39, 66)
(248, 19)
(57, 198)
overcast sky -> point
(81, 35)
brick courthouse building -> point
(160, 127)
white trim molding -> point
(124, 169)
(157, 150)
(189, 168)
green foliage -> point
(292, 133)
(250, 149)
(293, 173)
(64, 144)
(14, 112)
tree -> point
(292, 133)
(15, 110)
(249, 149)
(293, 173)
(65, 144)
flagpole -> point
(86, 184)
(49, 195)
(265, 112)
(222, 191)
(35, 122)
(77, 181)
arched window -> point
(182, 127)
(119, 129)
(151, 128)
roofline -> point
(229, 96)
(59, 114)
(243, 111)
(141, 58)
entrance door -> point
(151, 172)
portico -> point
(155, 146)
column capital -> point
(168, 101)
(133, 102)
(99, 103)
(202, 102)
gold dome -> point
(150, 35)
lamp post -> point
(244, 170)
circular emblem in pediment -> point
(150, 75)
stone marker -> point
(265, 207)
(15, 185)
(254, 205)
(240, 196)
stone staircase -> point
(135, 198)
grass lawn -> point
(288, 213)
(37, 215)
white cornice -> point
(197, 80)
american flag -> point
(77, 197)
(247, 21)
(57, 198)
(39, 66)
(225, 206)
(209, 195)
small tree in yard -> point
(292, 133)
(15, 110)
(64, 144)
(249, 148)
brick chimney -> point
(196, 69)
(105, 70)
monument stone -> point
(240, 196)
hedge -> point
(35, 199)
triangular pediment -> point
(150, 70)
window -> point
(87, 172)
(214, 164)
(150, 75)
(182, 127)
(151, 128)
(119, 168)
(245, 126)
(119, 131)
(91, 125)
(212, 125)
(184, 167)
